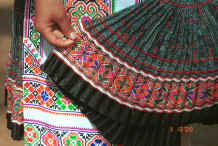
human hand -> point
(53, 23)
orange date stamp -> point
(182, 129)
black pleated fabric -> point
(117, 122)
(76, 88)
(151, 33)
(17, 131)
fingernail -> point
(73, 35)
(64, 38)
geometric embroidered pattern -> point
(41, 95)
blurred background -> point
(5, 29)
(202, 135)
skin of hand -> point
(53, 23)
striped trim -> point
(34, 78)
(57, 119)
(54, 112)
(41, 123)
(125, 103)
(26, 19)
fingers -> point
(55, 37)
(55, 34)
(67, 28)
(54, 16)
(58, 33)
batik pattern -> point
(114, 71)
(129, 70)
(142, 92)
(50, 118)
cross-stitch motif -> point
(40, 95)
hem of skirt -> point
(127, 133)
(17, 131)
(74, 86)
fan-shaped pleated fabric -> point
(144, 69)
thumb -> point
(67, 28)
(55, 37)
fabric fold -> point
(142, 70)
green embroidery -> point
(62, 105)
(25, 92)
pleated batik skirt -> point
(46, 115)
(141, 71)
